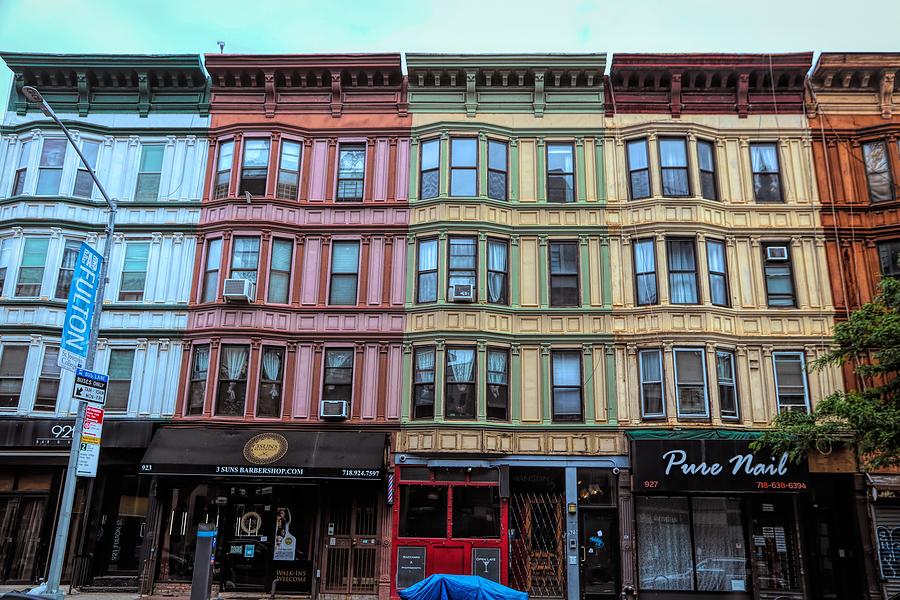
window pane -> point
(431, 151)
(691, 382)
(25, 154)
(53, 153)
(719, 548)
(290, 156)
(463, 182)
(256, 153)
(430, 184)
(637, 155)
(705, 156)
(672, 152)
(423, 511)
(476, 512)
(226, 156)
(462, 253)
(889, 255)
(764, 158)
(560, 158)
(878, 171)
(566, 369)
(563, 258)
(497, 156)
(48, 182)
(460, 365)
(151, 159)
(497, 185)
(664, 549)
(345, 257)
(351, 170)
(463, 152)
(84, 185)
(245, 254)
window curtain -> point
(719, 549)
(645, 267)
(425, 366)
(763, 158)
(681, 258)
(462, 365)
(664, 547)
(496, 262)
(201, 362)
(272, 362)
(428, 257)
(497, 367)
(338, 360)
(650, 367)
(716, 257)
(234, 363)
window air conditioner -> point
(334, 409)
(462, 292)
(239, 290)
(777, 253)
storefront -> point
(885, 506)
(300, 509)
(713, 517)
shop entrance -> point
(598, 535)
(21, 525)
(350, 544)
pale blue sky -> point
(275, 26)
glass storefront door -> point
(21, 523)
(599, 535)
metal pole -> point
(60, 539)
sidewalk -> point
(77, 594)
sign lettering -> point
(80, 309)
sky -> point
(321, 26)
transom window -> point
(351, 172)
(674, 166)
(560, 172)
(463, 166)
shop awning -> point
(691, 434)
(280, 454)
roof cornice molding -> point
(856, 83)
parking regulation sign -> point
(76, 331)
(90, 387)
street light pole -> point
(51, 586)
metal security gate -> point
(537, 523)
(351, 544)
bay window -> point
(690, 382)
(430, 169)
(426, 271)
(271, 373)
(498, 385)
(463, 166)
(288, 171)
(423, 383)
(459, 393)
(255, 167)
(652, 391)
(232, 385)
(674, 167)
(682, 271)
(50, 167)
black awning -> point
(280, 454)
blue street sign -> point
(76, 332)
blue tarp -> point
(460, 587)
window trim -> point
(713, 173)
(670, 271)
(452, 168)
(571, 147)
(803, 374)
(346, 144)
(724, 274)
(490, 170)
(662, 169)
(652, 241)
(630, 170)
(331, 273)
(753, 173)
(890, 175)
(579, 356)
(436, 270)
(473, 383)
(423, 171)
(734, 385)
(687, 416)
(662, 383)
(577, 274)
(790, 266)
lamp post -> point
(51, 586)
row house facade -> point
(142, 123)
(289, 391)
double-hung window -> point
(199, 373)
(66, 269)
(566, 376)
(84, 183)
(50, 168)
(12, 374)
(31, 271)
(121, 367)
(223, 169)
(463, 259)
(255, 167)
(344, 273)
(564, 274)
(706, 161)
(288, 170)
(498, 169)
(725, 377)
(766, 176)
(48, 382)
(134, 272)
(498, 385)
(498, 271)
(149, 173)
(351, 172)
(463, 166)
(560, 173)
(245, 259)
(271, 374)
(232, 386)
(459, 395)
(638, 169)
(718, 272)
(423, 383)
(280, 271)
(645, 272)
(673, 165)
(652, 394)
(878, 171)
(790, 381)
(6, 245)
(690, 382)
(889, 256)
(778, 274)
(430, 169)
(337, 384)
(21, 169)
(211, 270)
(426, 271)
(682, 271)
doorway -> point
(599, 551)
(350, 538)
(21, 528)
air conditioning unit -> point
(335, 409)
(462, 292)
(239, 290)
(779, 253)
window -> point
(211, 270)
(423, 511)
(560, 173)
(463, 263)
(566, 377)
(12, 374)
(674, 167)
(564, 274)
(423, 383)
(498, 167)
(498, 272)
(775, 550)
(718, 273)
(271, 373)
(426, 271)
(878, 171)
(351, 172)
(652, 397)
(288, 170)
(223, 169)
(245, 259)
(53, 155)
(706, 160)
(430, 175)
(459, 395)
(67, 269)
(280, 271)
(463, 167)
(149, 173)
(31, 272)
(779, 279)
(48, 383)
(232, 392)
(5, 260)
(134, 272)
(638, 169)
(889, 255)
(498, 385)
(21, 169)
(199, 372)
(728, 401)
(344, 269)
(255, 168)
(766, 180)
(476, 511)
(84, 183)
(645, 272)
(790, 381)
(338, 381)
(682, 271)
(121, 365)
(690, 382)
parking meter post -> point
(204, 555)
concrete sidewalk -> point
(77, 594)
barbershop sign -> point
(713, 465)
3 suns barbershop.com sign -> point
(713, 465)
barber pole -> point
(390, 489)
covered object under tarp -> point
(460, 587)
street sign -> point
(80, 309)
(90, 386)
(89, 450)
